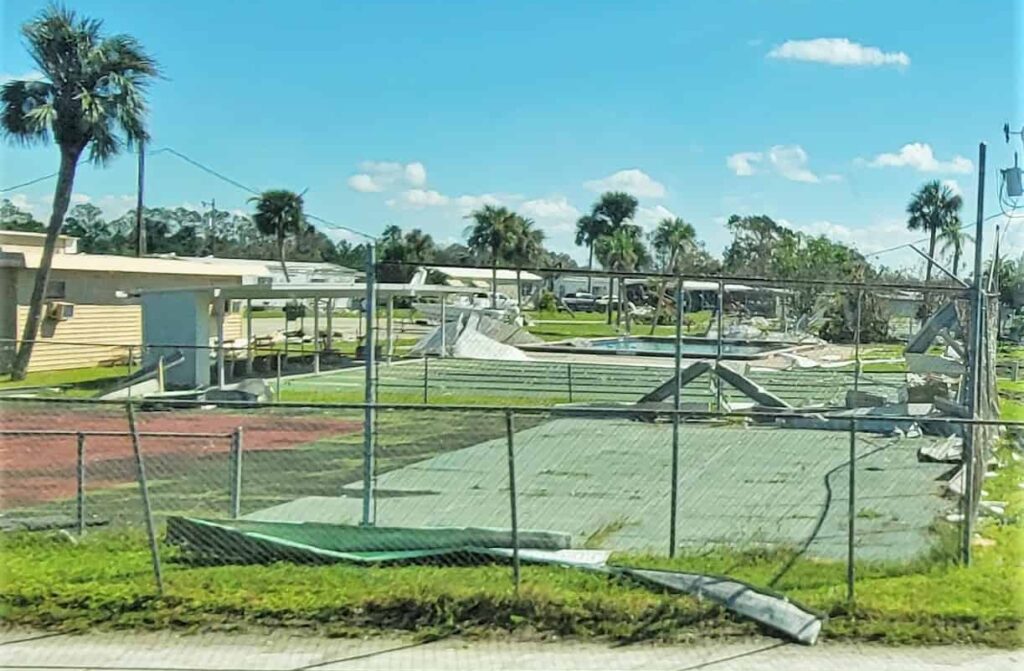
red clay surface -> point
(35, 469)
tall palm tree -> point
(616, 207)
(491, 234)
(588, 229)
(952, 238)
(90, 96)
(672, 237)
(933, 208)
(279, 213)
(622, 250)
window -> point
(56, 289)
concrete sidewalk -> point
(281, 651)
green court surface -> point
(607, 483)
(535, 382)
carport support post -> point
(140, 473)
(370, 392)
(316, 335)
(330, 324)
(219, 307)
(718, 351)
(80, 485)
(444, 325)
(510, 432)
(248, 337)
(390, 324)
(235, 464)
(676, 406)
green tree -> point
(758, 246)
(492, 234)
(671, 240)
(279, 214)
(934, 208)
(14, 219)
(616, 208)
(526, 248)
(589, 229)
(420, 246)
(622, 250)
(90, 97)
(952, 238)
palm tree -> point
(616, 209)
(588, 229)
(621, 251)
(952, 238)
(671, 237)
(526, 247)
(91, 96)
(492, 233)
(934, 208)
(279, 213)
(419, 246)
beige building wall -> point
(103, 325)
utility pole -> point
(140, 228)
(212, 204)
(977, 341)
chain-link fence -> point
(245, 483)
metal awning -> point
(317, 290)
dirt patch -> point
(38, 468)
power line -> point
(28, 183)
(923, 240)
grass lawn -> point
(87, 381)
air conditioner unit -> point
(59, 311)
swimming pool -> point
(693, 348)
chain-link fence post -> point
(235, 467)
(277, 391)
(568, 377)
(80, 484)
(677, 406)
(426, 378)
(718, 351)
(851, 508)
(510, 432)
(140, 474)
(369, 393)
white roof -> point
(29, 258)
(317, 290)
(272, 264)
(472, 274)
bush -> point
(546, 302)
(841, 316)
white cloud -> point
(838, 51)
(31, 75)
(742, 163)
(114, 206)
(633, 181)
(954, 186)
(920, 157)
(557, 208)
(790, 161)
(649, 217)
(419, 198)
(79, 199)
(415, 174)
(866, 239)
(468, 203)
(377, 176)
(364, 183)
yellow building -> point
(92, 313)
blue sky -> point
(824, 114)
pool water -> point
(651, 346)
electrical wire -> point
(28, 183)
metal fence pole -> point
(235, 465)
(718, 351)
(369, 394)
(277, 393)
(851, 508)
(316, 335)
(80, 485)
(140, 473)
(568, 375)
(426, 378)
(509, 432)
(444, 330)
(131, 355)
(677, 406)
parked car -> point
(580, 301)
